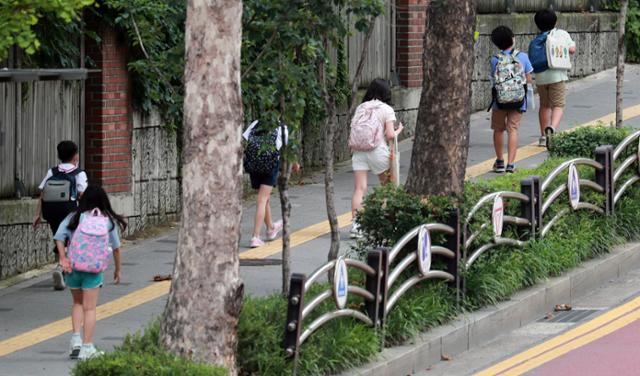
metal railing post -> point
(454, 244)
(527, 209)
(295, 302)
(374, 285)
(537, 203)
(384, 276)
(604, 177)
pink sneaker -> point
(272, 234)
(256, 242)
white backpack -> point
(557, 45)
(366, 129)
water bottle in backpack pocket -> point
(510, 82)
(89, 249)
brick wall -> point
(108, 123)
(410, 27)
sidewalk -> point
(32, 304)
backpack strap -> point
(55, 171)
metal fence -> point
(38, 110)
(502, 218)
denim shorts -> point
(83, 280)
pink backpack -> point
(89, 248)
(366, 130)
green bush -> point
(141, 355)
(582, 142)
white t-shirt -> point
(383, 112)
(81, 178)
(247, 133)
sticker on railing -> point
(574, 186)
(340, 283)
(497, 216)
(424, 250)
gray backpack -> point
(61, 186)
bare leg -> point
(545, 118)
(556, 117)
(512, 146)
(267, 215)
(498, 143)
(261, 207)
(359, 189)
(76, 310)
(89, 301)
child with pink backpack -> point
(372, 128)
(91, 233)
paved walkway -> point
(34, 320)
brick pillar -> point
(410, 21)
(108, 124)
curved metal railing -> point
(619, 171)
(498, 219)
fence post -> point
(604, 156)
(453, 243)
(527, 209)
(384, 275)
(508, 6)
(295, 302)
(374, 285)
(537, 204)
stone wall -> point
(153, 198)
(594, 34)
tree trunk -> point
(285, 205)
(441, 144)
(204, 303)
(624, 6)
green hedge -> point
(584, 141)
(388, 214)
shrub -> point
(582, 142)
(141, 355)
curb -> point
(473, 329)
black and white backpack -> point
(261, 155)
(61, 186)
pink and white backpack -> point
(89, 248)
(366, 128)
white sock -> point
(75, 335)
(87, 345)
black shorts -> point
(55, 213)
(265, 179)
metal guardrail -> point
(389, 276)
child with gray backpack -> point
(60, 191)
(511, 90)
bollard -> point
(295, 303)
(527, 209)
(453, 243)
(374, 286)
(537, 204)
(604, 177)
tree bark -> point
(441, 144)
(204, 303)
(285, 205)
(624, 6)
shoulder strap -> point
(74, 172)
(55, 171)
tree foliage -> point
(18, 18)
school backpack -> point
(509, 90)
(260, 154)
(89, 248)
(557, 49)
(61, 186)
(366, 129)
(538, 53)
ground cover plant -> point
(389, 213)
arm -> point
(572, 50)
(116, 260)
(390, 132)
(529, 78)
(62, 253)
(37, 219)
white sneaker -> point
(542, 141)
(74, 346)
(355, 232)
(58, 279)
(89, 351)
